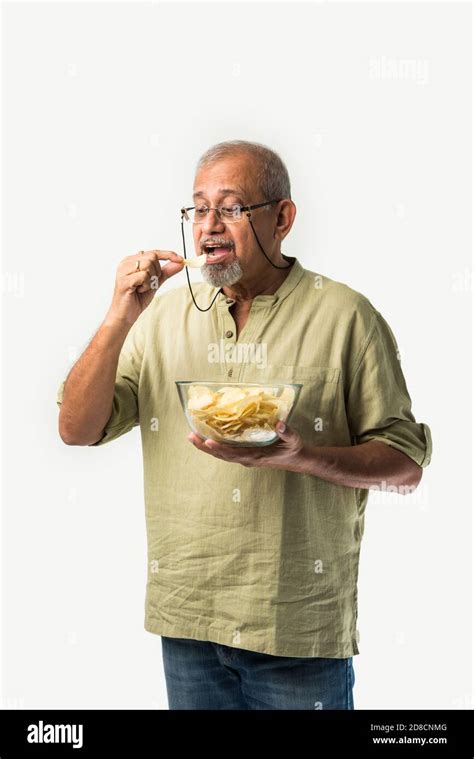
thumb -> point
(172, 267)
(285, 433)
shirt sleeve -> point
(378, 404)
(124, 414)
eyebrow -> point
(221, 191)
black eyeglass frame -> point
(247, 209)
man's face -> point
(226, 182)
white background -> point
(106, 109)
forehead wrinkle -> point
(221, 191)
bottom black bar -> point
(439, 733)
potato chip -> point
(200, 401)
(206, 430)
(195, 262)
(238, 413)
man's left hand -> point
(285, 453)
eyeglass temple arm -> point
(260, 205)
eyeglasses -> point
(228, 214)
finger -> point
(167, 271)
(153, 255)
(288, 439)
(225, 451)
(150, 261)
(145, 260)
(218, 448)
(285, 433)
(221, 448)
(147, 285)
(150, 281)
(152, 273)
(152, 266)
(156, 270)
(201, 444)
(170, 255)
(196, 440)
(243, 456)
(138, 279)
(230, 450)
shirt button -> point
(229, 373)
(229, 333)
(229, 300)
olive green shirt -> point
(256, 558)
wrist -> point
(116, 323)
(115, 329)
(305, 459)
(314, 460)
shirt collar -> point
(287, 286)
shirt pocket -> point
(314, 413)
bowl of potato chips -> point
(237, 413)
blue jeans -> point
(205, 675)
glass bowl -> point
(237, 413)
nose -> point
(212, 223)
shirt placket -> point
(228, 335)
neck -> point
(264, 283)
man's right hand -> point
(135, 288)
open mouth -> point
(217, 252)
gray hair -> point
(271, 173)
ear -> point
(285, 217)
